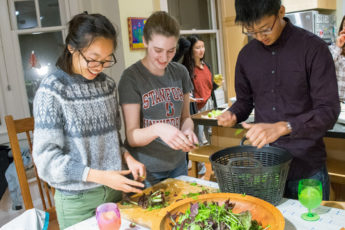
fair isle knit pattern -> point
(76, 128)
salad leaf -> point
(213, 216)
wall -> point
(340, 13)
(110, 9)
(233, 41)
(117, 12)
(126, 8)
(134, 8)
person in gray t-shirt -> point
(154, 96)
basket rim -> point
(285, 154)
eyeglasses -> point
(93, 64)
(262, 32)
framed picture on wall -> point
(135, 32)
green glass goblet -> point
(310, 196)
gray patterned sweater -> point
(76, 128)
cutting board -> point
(177, 189)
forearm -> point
(126, 156)
(315, 123)
(283, 128)
(324, 98)
(187, 123)
(144, 136)
(242, 110)
(96, 176)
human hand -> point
(227, 119)
(173, 137)
(341, 39)
(117, 180)
(192, 137)
(192, 99)
(137, 168)
(261, 134)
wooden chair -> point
(202, 154)
(26, 125)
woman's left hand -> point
(138, 169)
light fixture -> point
(42, 71)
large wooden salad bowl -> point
(262, 211)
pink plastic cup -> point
(108, 216)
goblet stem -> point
(310, 214)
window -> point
(31, 38)
(39, 30)
(200, 17)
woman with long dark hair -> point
(201, 75)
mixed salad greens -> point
(154, 200)
(214, 113)
(158, 199)
(213, 216)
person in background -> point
(154, 96)
(182, 48)
(338, 53)
(77, 147)
(287, 75)
(203, 97)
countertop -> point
(331, 218)
(338, 130)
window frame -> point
(13, 93)
(214, 30)
(215, 16)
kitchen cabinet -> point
(298, 5)
(233, 41)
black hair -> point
(161, 23)
(182, 48)
(250, 11)
(188, 59)
(341, 25)
(82, 31)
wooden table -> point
(331, 218)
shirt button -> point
(272, 90)
(274, 108)
(273, 71)
(273, 53)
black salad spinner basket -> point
(248, 170)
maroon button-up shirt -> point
(291, 80)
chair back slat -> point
(15, 127)
(46, 189)
(23, 125)
(28, 137)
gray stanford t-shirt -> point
(161, 101)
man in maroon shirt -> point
(287, 75)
